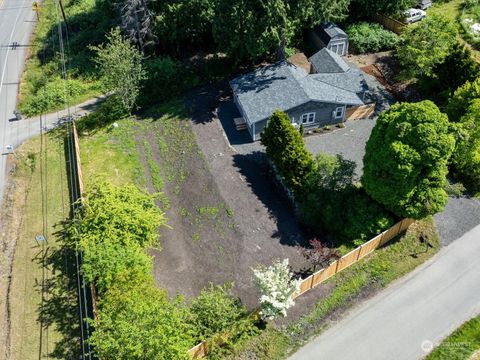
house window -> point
(339, 112)
(308, 118)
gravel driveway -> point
(460, 216)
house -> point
(321, 97)
(329, 36)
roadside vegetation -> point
(459, 345)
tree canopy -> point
(425, 44)
(388, 7)
(405, 163)
(120, 65)
(462, 99)
(466, 159)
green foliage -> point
(405, 163)
(286, 149)
(334, 204)
(138, 321)
(120, 65)
(425, 44)
(163, 80)
(254, 29)
(363, 8)
(187, 22)
(462, 99)
(117, 225)
(369, 37)
(457, 68)
(215, 311)
(88, 22)
(466, 158)
(109, 111)
(51, 94)
(461, 344)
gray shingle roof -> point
(326, 61)
(284, 86)
(329, 31)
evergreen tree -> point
(137, 22)
(285, 147)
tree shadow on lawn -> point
(59, 306)
(256, 171)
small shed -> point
(329, 36)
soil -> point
(385, 68)
(254, 224)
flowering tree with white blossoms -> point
(277, 286)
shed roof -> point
(329, 31)
(327, 61)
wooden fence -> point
(352, 257)
(201, 350)
(391, 24)
(359, 112)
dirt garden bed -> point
(225, 216)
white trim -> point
(342, 112)
(310, 118)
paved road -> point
(422, 308)
(16, 24)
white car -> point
(414, 15)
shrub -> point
(110, 110)
(52, 95)
(462, 99)
(334, 204)
(457, 68)
(286, 149)
(163, 80)
(138, 321)
(215, 311)
(405, 162)
(276, 286)
(117, 225)
(367, 37)
(466, 158)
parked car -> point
(414, 15)
(424, 4)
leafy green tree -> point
(370, 37)
(362, 8)
(462, 99)
(117, 225)
(405, 163)
(185, 23)
(457, 68)
(252, 29)
(466, 158)
(286, 149)
(138, 321)
(308, 13)
(120, 65)
(425, 44)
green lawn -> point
(461, 344)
